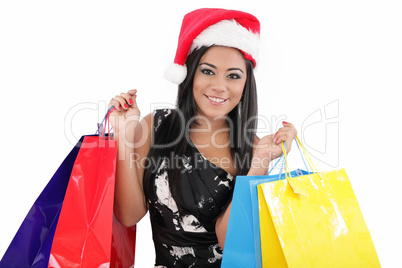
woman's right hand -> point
(129, 200)
(269, 148)
(126, 117)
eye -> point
(207, 71)
(234, 76)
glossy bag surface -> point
(123, 245)
(83, 235)
(313, 221)
(242, 244)
(31, 245)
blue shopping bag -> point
(243, 241)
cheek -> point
(238, 93)
(196, 85)
(197, 94)
(196, 91)
(200, 84)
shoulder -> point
(143, 132)
(159, 116)
(150, 124)
(154, 119)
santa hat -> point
(213, 26)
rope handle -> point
(101, 128)
(296, 186)
(303, 155)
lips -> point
(216, 100)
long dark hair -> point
(173, 140)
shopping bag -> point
(87, 229)
(123, 245)
(242, 243)
(31, 245)
(313, 221)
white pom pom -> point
(176, 73)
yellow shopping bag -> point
(313, 221)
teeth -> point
(216, 99)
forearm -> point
(259, 167)
(129, 202)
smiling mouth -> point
(216, 99)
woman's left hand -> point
(269, 148)
(287, 133)
(266, 149)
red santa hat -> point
(213, 26)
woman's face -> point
(219, 81)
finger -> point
(134, 101)
(288, 128)
(274, 138)
(288, 143)
(281, 136)
(287, 124)
(132, 92)
(128, 98)
(286, 137)
(121, 102)
(115, 103)
(290, 125)
(110, 104)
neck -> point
(210, 125)
(214, 130)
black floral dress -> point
(189, 240)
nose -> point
(219, 84)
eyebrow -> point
(213, 66)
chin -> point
(214, 114)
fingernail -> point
(118, 107)
(285, 122)
(133, 90)
(130, 101)
(125, 105)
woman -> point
(181, 164)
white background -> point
(62, 61)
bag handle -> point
(307, 156)
(101, 128)
(303, 151)
(296, 186)
(302, 154)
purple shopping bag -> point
(32, 243)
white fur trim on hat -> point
(176, 73)
(230, 34)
